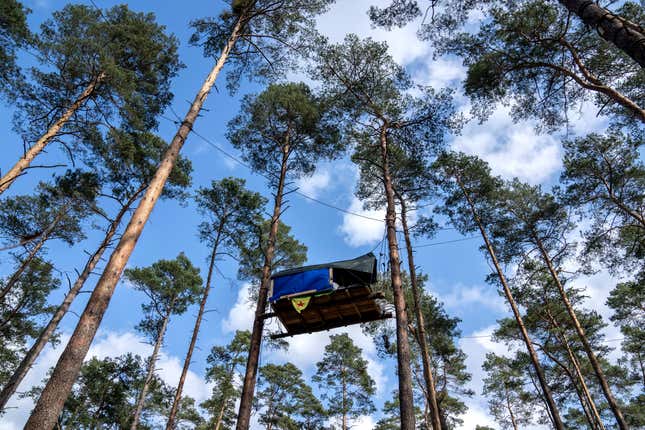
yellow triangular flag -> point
(300, 303)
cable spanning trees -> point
(231, 211)
(102, 78)
(470, 203)
(381, 121)
(282, 132)
(253, 24)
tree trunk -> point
(25, 263)
(574, 381)
(402, 344)
(553, 408)
(250, 375)
(422, 339)
(624, 35)
(60, 383)
(344, 423)
(611, 400)
(220, 416)
(27, 158)
(510, 410)
(151, 369)
(28, 360)
(198, 321)
(576, 366)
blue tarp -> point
(316, 280)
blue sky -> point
(456, 269)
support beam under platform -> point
(323, 328)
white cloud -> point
(351, 17)
(476, 415)
(364, 422)
(442, 72)
(359, 231)
(597, 288)
(107, 344)
(461, 296)
(512, 150)
(314, 184)
(241, 315)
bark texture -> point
(250, 375)
(402, 343)
(60, 383)
(627, 36)
(421, 328)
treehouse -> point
(325, 296)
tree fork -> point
(170, 425)
(250, 375)
(406, 402)
(28, 157)
(53, 396)
(548, 397)
(604, 385)
(422, 340)
(613, 28)
(25, 365)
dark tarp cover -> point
(361, 270)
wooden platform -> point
(338, 308)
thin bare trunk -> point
(595, 364)
(220, 416)
(576, 366)
(24, 161)
(23, 368)
(60, 383)
(574, 382)
(344, 424)
(421, 338)
(141, 400)
(625, 35)
(510, 410)
(548, 397)
(198, 321)
(250, 375)
(403, 346)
